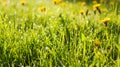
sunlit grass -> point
(45, 34)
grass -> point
(58, 36)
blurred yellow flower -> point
(82, 12)
(97, 43)
(96, 5)
(42, 8)
(96, 8)
(105, 20)
(23, 2)
(57, 1)
(83, 3)
(63, 4)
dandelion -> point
(96, 8)
(42, 8)
(83, 3)
(96, 5)
(23, 2)
(63, 4)
(105, 21)
(97, 43)
(57, 1)
(82, 12)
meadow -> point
(56, 33)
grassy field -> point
(46, 33)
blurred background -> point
(93, 0)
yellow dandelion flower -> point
(105, 20)
(57, 1)
(82, 12)
(94, 2)
(97, 43)
(42, 8)
(23, 2)
(5, 3)
(96, 5)
(83, 3)
(96, 8)
(63, 4)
